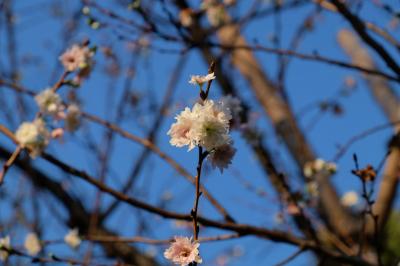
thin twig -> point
(291, 257)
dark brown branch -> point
(242, 229)
(78, 216)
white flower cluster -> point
(34, 136)
(206, 124)
(314, 167)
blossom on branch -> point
(211, 129)
(207, 125)
(72, 238)
(183, 251)
(33, 136)
(222, 157)
(32, 244)
(76, 57)
(181, 131)
(200, 80)
(318, 165)
(49, 102)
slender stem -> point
(60, 82)
(210, 70)
(198, 193)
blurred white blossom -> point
(49, 102)
(186, 17)
(318, 165)
(349, 199)
(222, 156)
(72, 238)
(33, 136)
(211, 129)
(32, 244)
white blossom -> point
(200, 80)
(49, 102)
(349, 199)
(76, 57)
(319, 164)
(33, 136)
(207, 125)
(32, 244)
(222, 157)
(4, 242)
(181, 130)
(72, 238)
(183, 251)
(211, 128)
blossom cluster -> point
(33, 245)
(206, 125)
(35, 135)
(318, 165)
